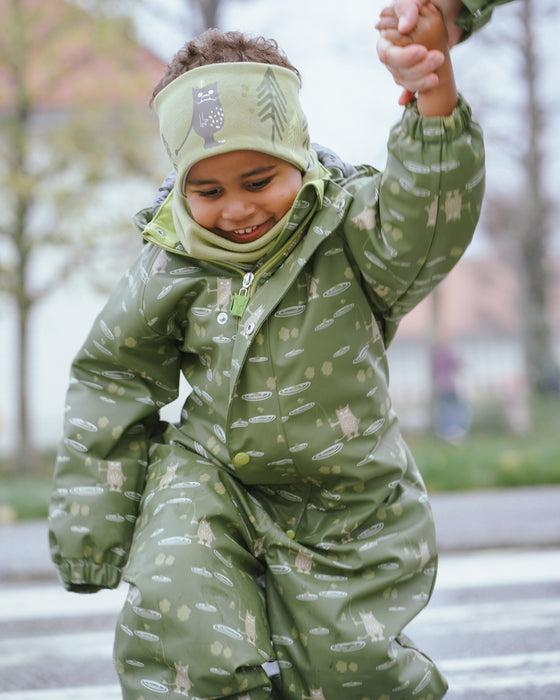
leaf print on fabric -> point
(272, 104)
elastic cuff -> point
(433, 128)
(87, 577)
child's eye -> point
(210, 194)
(259, 184)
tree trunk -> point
(537, 338)
(25, 455)
(23, 202)
(209, 11)
(24, 443)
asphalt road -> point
(493, 625)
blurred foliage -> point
(75, 132)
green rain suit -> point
(279, 537)
(476, 13)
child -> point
(279, 538)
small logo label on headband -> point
(208, 116)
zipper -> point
(241, 299)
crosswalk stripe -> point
(473, 674)
(472, 618)
(486, 569)
(489, 683)
(503, 661)
(30, 650)
(51, 600)
(478, 618)
(95, 692)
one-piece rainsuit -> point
(279, 537)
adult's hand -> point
(407, 14)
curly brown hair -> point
(214, 46)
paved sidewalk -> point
(473, 520)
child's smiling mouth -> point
(247, 234)
(243, 231)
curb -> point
(494, 519)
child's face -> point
(241, 195)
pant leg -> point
(342, 589)
(195, 620)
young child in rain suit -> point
(279, 537)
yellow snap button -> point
(241, 459)
(291, 534)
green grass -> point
(490, 456)
(486, 461)
(24, 499)
(25, 496)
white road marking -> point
(481, 674)
(466, 675)
(30, 650)
(95, 692)
(502, 672)
(471, 618)
(496, 616)
(502, 662)
(476, 570)
(490, 568)
(51, 600)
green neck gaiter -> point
(200, 243)
(227, 107)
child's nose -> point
(237, 208)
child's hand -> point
(429, 30)
(413, 58)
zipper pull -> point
(240, 301)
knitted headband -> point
(226, 107)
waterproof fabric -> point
(476, 13)
(279, 537)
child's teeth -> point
(245, 230)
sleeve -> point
(407, 227)
(124, 373)
(475, 14)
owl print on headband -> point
(207, 117)
(226, 107)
